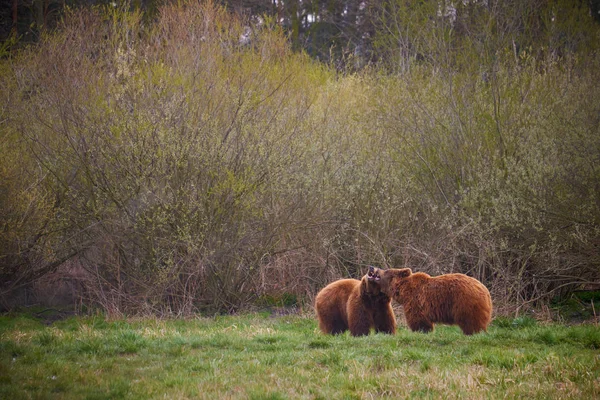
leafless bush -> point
(198, 164)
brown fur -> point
(358, 306)
(447, 299)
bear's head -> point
(388, 279)
(369, 287)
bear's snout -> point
(372, 275)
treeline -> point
(197, 162)
(352, 34)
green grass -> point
(259, 357)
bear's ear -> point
(404, 272)
(364, 285)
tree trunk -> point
(15, 7)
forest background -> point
(173, 157)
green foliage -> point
(523, 322)
(582, 305)
(502, 322)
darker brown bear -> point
(358, 306)
(447, 299)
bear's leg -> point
(385, 321)
(339, 326)
(467, 330)
(418, 323)
(359, 320)
(333, 325)
(360, 328)
(470, 327)
(421, 326)
(470, 320)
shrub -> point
(197, 163)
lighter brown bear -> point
(454, 299)
(358, 306)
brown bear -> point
(447, 299)
(358, 306)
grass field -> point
(257, 356)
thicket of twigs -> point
(197, 164)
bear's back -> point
(459, 283)
(336, 294)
